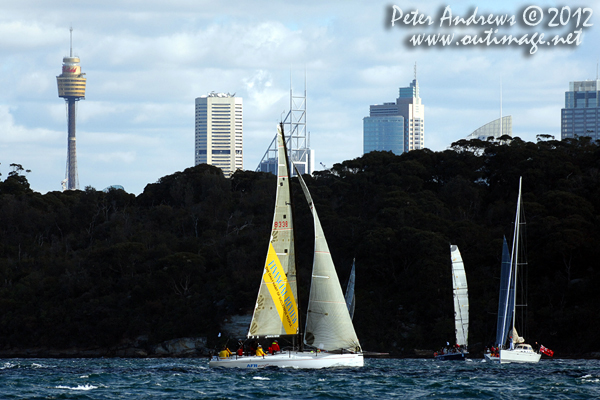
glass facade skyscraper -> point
(397, 127)
(581, 115)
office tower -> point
(496, 128)
(397, 127)
(219, 132)
(71, 87)
(581, 117)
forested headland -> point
(92, 268)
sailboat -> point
(517, 351)
(461, 308)
(329, 338)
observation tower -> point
(71, 87)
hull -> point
(290, 360)
(514, 356)
(451, 356)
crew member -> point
(275, 347)
(225, 353)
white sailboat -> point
(517, 351)
(329, 335)
(461, 308)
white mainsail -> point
(328, 323)
(276, 311)
(461, 297)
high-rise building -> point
(397, 127)
(219, 132)
(581, 115)
(71, 87)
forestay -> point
(461, 297)
(328, 323)
(276, 311)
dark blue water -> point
(379, 379)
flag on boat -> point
(546, 351)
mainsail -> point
(350, 298)
(461, 297)
(276, 311)
(328, 323)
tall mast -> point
(515, 255)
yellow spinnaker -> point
(280, 291)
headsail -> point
(461, 297)
(328, 323)
(276, 311)
(350, 298)
(506, 298)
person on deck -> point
(225, 353)
(275, 347)
(240, 350)
(253, 348)
(260, 352)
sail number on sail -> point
(280, 224)
(280, 291)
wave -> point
(79, 387)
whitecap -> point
(261, 378)
(79, 387)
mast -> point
(515, 258)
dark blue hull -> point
(451, 356)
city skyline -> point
(146, 65)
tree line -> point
(95, 268)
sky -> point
(146, 61)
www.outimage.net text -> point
(493, 27)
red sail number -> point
(281, 224)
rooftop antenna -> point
(415, 70)
(596, 69)
(71, 41)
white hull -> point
(514, 356)
(291, 360)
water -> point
(380, 378)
